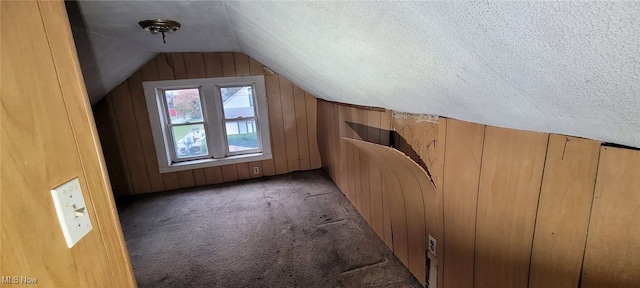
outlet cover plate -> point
(432, 245)
(72, 211)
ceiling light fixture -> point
(161, 26)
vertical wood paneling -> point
(355, 158)
(199, 178)
(111, 149)
(302, 128)
(563, 211)
(408, 182)
(177, 64)
(311, 109)
(228, 64)
(612, 255)
(461, 177)
(289, 124)
(213, 64)
(437, 177)
(121, 100)
(46, 139)
(255, 67)
(241, 62)
(365, 197)
(149, 72)
(278, 141)
(300, 118)
(186, 178)
(229, 173)
(510, 179)
(243, 171)
(213, 175)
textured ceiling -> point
(564, 67)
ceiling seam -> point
(235, 35)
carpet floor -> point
(294, 230)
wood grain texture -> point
(612, 255)
(213, 64)
(311, 108)
(148, 72)
(186, 178)
(563, 211)
(128, 107)
(243, 171)
(289, 124)
(229, 173)
(278, 140)
(213, 175)
(302, 128)
(407, 183)
(199, 178)
(462, 160)
(125, 116)
(437, 177)
(111, 149)
(47, 139)
(510, 179)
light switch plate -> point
(72, 211)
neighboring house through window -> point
(207, 122)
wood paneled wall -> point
(125, 132)
(47, 138)
(515, 208)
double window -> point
(208, 122)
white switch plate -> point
(72, 211)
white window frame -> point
(214, 122)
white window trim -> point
(212, 111)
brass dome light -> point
(161, 26)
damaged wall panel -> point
(407, 184)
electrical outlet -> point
(72, 211)
(256, 170)
(432, 245)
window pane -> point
(190, 140)
(241, 135)
(184, 105)
(237, 102)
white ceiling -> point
(564, 67)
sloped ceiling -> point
(564, 67)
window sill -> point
(203, 163)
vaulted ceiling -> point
(564, 67)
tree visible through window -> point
(211, 121)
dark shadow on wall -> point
(396, 141)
